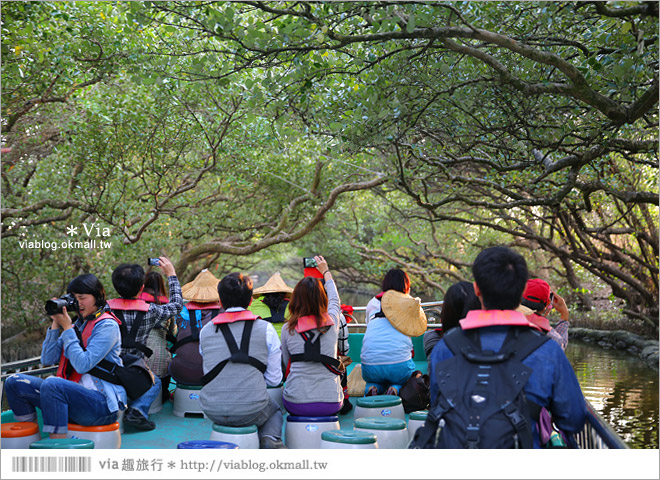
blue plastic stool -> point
(206, 444)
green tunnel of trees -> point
(412, 134)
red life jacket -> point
(86, 333)
(490, 318)
(128, 304)
(149, 298)
(539, 322)
(203, 306)
(121, 305)
(308, 322)
(231, 317)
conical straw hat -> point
(273, 285)
(203, 289)
(404, 313)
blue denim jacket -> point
(552, 384)
(104, 343)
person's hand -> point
(62, 319)
(167, 267)
(321, 264)
(559, 304)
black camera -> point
(309, 262)
(55, 306)
(153, 261)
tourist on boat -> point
(241, 357)
(458, 301)
(386, 355)
(394, 279)
(154, 292)
(309, 341)
(138, 318)
(537, 302)
(343, 346)
(73, 395)
(500, 276)
(203, 304)
(271, 301)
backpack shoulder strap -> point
(312, 353)
(238, 355)
(128, 338)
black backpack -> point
(480, 401)
(415, 392)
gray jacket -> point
(307, 381)
(239, 389)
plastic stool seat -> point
(206, 444)
(244, 437)
(379, 406)
(19, 434)
(103, 436)
(391, 432)
(416, 420)
(305, 432)
(66, 443)
(348, 439)
(186, 400)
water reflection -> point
(621, 388)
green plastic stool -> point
(245, 437)
(62, 443)
(391, 432)
(379, 406)
(348, 439)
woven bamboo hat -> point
(404, 312)
(203, 289)
(273, 285)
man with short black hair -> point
(241, 358)
(500, 277)
(138, 318)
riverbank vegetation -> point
(244, 135)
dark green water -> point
(621, 388)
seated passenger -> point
(137, 319)
(547, 377)
(158, 362)
(203, 304)
(241, 356)
(309, 340)
(271, 301)
(459, 300)
(537, 302)
(75, 394)
(387, 346)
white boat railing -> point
(425, 305)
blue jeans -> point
(383, 376)
(143, 403)
(61, 401)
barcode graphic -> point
(51, 464)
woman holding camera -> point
(74, 395)
(309, 341)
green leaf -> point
(410, 26)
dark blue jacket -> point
(552, 384)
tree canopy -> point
(389, 133)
